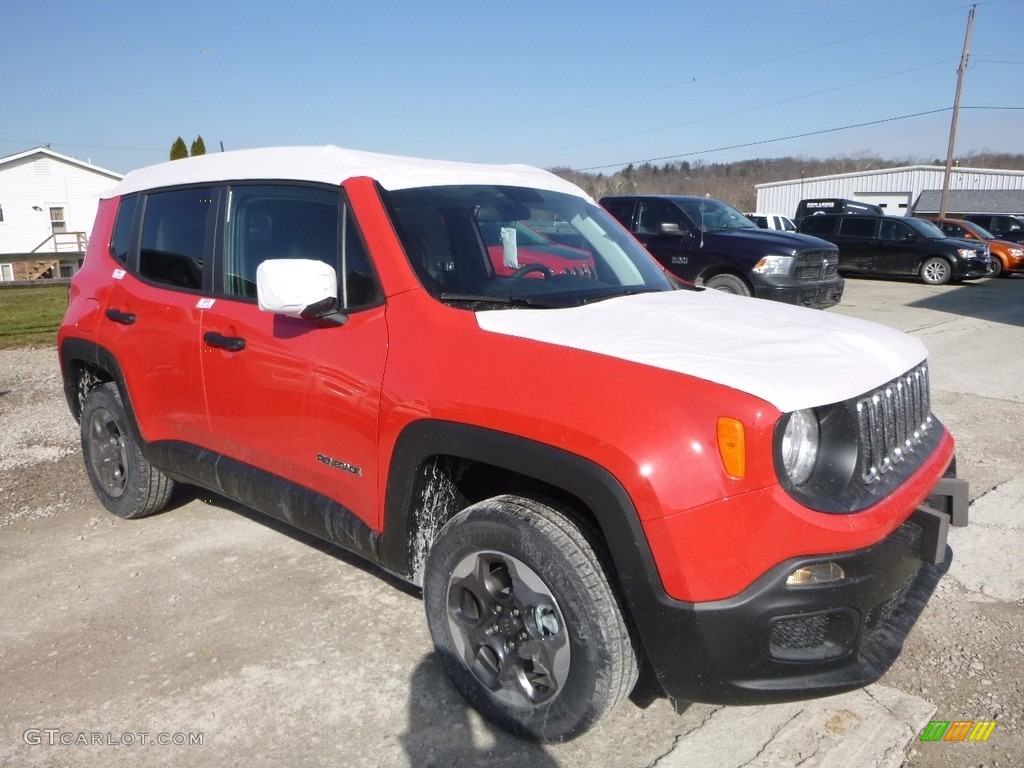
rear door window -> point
(857, 226)
(176, 228)
(817, 225)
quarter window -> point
(174, 229)
(121, 239)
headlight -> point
(800, 443)
(774, 265)
(1017, 252)
(969, 253)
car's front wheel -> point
(125, 482)
(997, 268)
(728, 284)
(936, 271)
(525, 620)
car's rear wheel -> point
(936, 271)
(728, 284)
(525, 620)
(125, 482)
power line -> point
(732, 113)
(767, 141)
(671, 86)
(788, 138)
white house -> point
(47, 205)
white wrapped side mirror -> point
(297, 287)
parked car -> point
(1007, 258)
(899, 246)
(586, 472)
(709, 243)
(772, 221)
(815, 206)
(1002, 225)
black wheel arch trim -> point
(613, 511)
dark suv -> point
(710, 243)
(899, 246)
(1002, 225)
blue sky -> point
(586, 85)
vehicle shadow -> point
(440, 732)
(997, 300)
(184, 494)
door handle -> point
(124, 318)
(230, 343)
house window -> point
(57, 220)
(6, 273)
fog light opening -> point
(816, 573)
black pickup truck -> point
(707, 242)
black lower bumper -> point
(815, 296)
(780, 642)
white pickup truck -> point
(772, 221)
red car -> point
(1007, 257)
(586, 470)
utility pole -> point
(956, 113)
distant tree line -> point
(734, 182)
(179, 150)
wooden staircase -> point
(58, 242)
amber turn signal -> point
(732, 446)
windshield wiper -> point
(617, 294)
(509, 299)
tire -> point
(997, 268)
(525, 621)
(936, 271)
(728, 284)
(125, 482)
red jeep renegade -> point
(475, 378)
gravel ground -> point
(964, 656)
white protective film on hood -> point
(789, 356)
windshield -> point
(926, 228)
(714, 215)
(978, 230)
(514, 246)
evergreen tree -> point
(198, 147)
(178, 149)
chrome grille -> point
(892, 421)
(816, 265)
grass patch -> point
(29, 317)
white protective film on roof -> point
(789, 356)
(333, 165)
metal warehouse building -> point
(903, 191)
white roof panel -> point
(333, 165)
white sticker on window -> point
(508, 243)
(119, 273)
(205, 303)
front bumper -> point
(774, 642)
(972, 269)
(817, 295)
